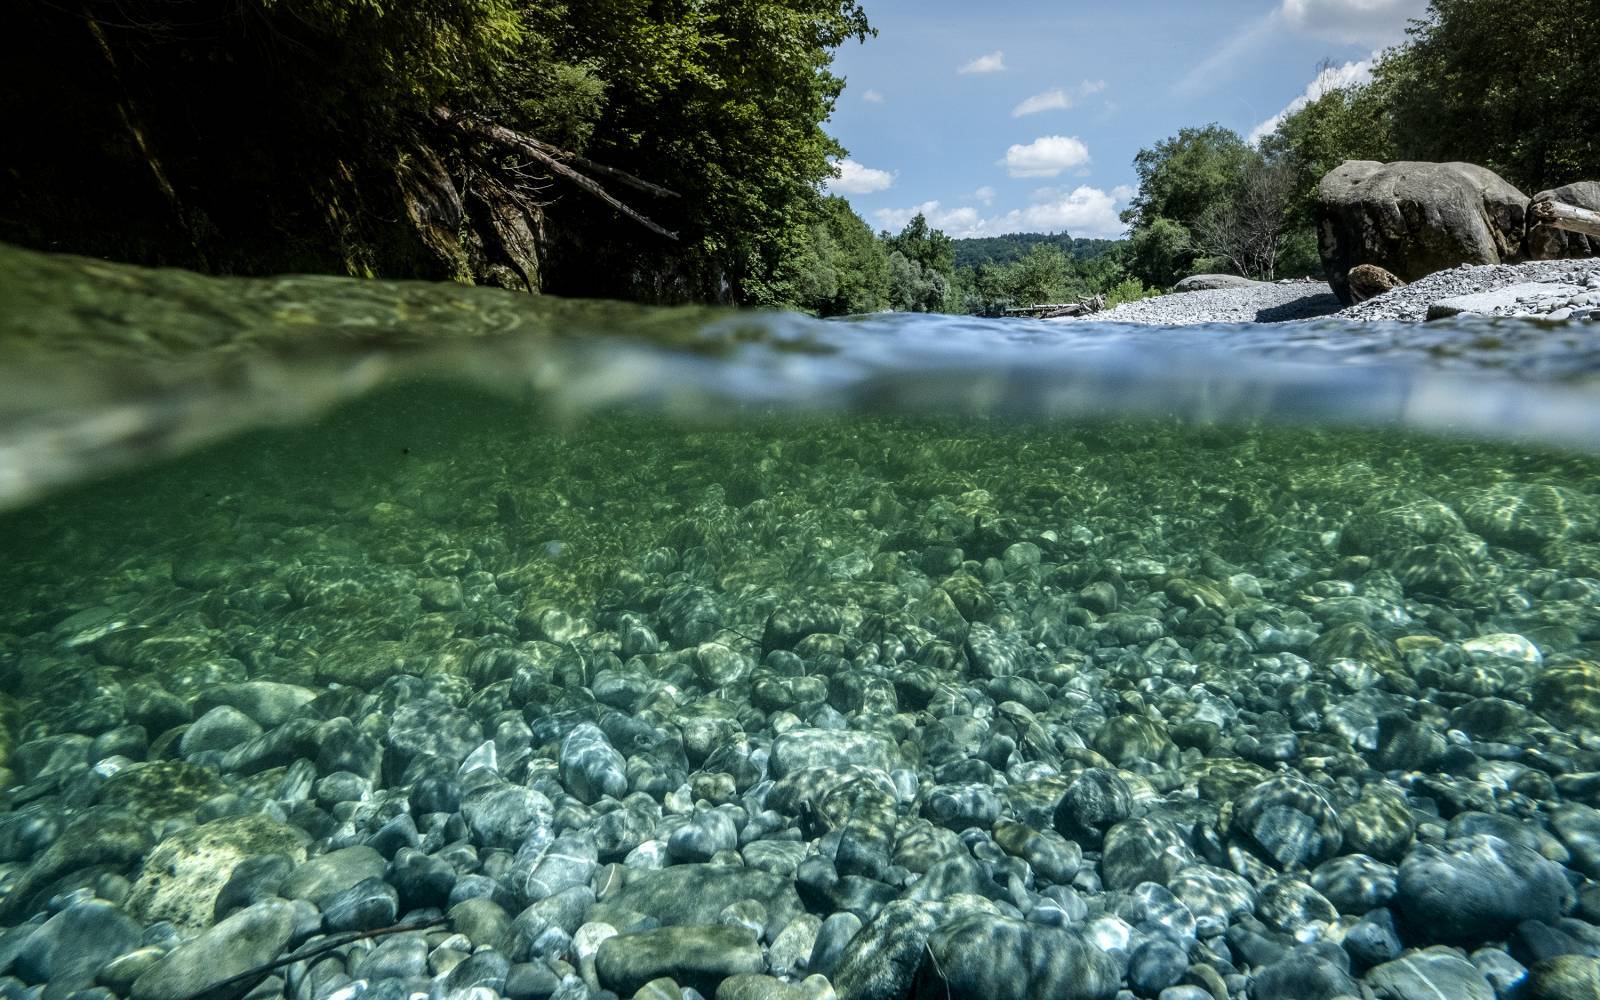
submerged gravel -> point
(859, 708)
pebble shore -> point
(857, 709)
(1279, 302)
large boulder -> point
(1550, 243)
(1413, 219)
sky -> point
(1025, 115)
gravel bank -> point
(1277, 303)
(1410, 304)
(1263, 302)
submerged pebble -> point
(869, 709)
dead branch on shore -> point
(557, 161)
(1559, 215)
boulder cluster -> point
(1413, 219)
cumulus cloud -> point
(956, 222)
(1058, 99)
(994, 62)
(1368, 22)
(1046, 156)
(856, 179)
(872, 96)
(1331, 78)
(984, 195)
(1083, 211)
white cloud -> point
(872, 96)
(1046, 156)
(1123, 193)
(1368, 22)
(984, 195)
(855, 179)
(1058, 99)
(1083, 211)
(994, 62)
(957, 222)
(1331, 78)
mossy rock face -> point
(183, 875)
(1568, 694)
(161, 790)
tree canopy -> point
(454, 138)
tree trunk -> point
(1568, 217)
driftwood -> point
(248, 979)
(1060, 310)
(1571, 218)
(556, 161)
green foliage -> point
(1181, 176)
(1346, 123)
(928, 247)
(1128, 290)
(921, 266)
(841, 268)
(976, 251)
(301, 135)
(1045, 273)
(1160, 251)
(1504, 83)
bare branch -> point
(505, 137)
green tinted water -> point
(1097, 623)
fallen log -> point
(1568, 217)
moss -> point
(162, 790)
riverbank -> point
(1572, 291)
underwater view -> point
(751, 656)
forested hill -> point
(1012, 247)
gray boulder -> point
(1207, 282)
(1413, 219)
(240, 943)
(1550, 243)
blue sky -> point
(1025, 115)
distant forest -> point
(1012, 247)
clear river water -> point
(386, 639)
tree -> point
(1044, 275)
(921, 266)
(530, 143)
(1247, 227)
(842, 268)
(1160, 252)
(1503, 83)
(1180, 177)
